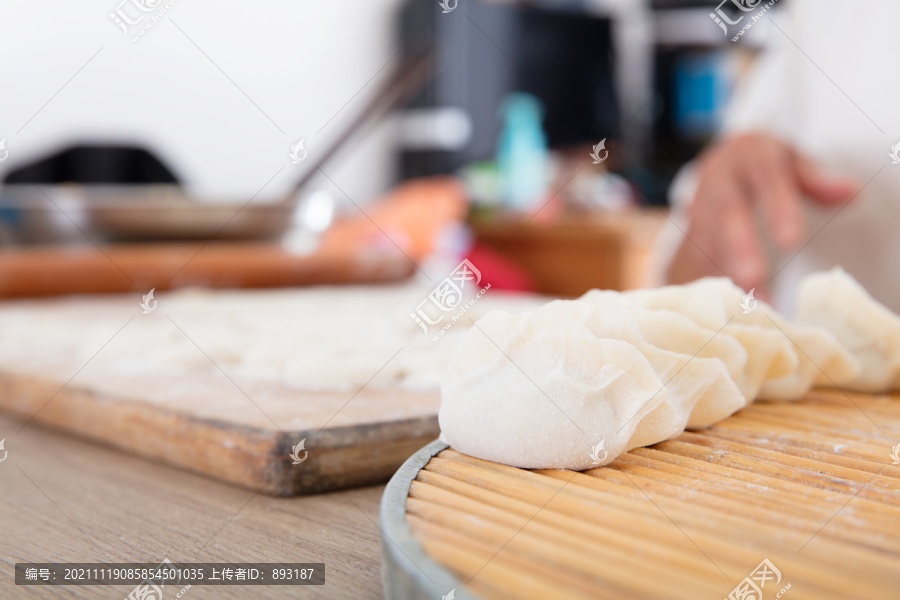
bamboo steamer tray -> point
(808, 486)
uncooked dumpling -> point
(823, 360)
(819, 354)
(553, 387)
(700, 386)
(666, 420)
(612, 322)
(538, 397)
(553, 346)
(669, 330)
(834, 301)
(709, 302)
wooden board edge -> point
(376, 459)
(144, 433)
(407, 572)
(267, 465)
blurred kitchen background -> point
(163, 144)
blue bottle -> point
(522, 156)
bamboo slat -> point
(809, 486)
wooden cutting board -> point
(808, 486)
(238, 431)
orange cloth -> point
(411, 215)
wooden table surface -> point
(66, 500)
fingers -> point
(773, 181)
(821, 187)
(722, 239)
(738, 177)
(693, 259)
(735, 241)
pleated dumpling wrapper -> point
(536, 397)
(834, 301)
(770, 354)
(701, 388)
(820, 356)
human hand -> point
(738, 177)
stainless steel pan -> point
(29, 213)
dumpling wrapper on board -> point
(834, 301)
(542, 398)
(770, 354)
(701, 388)
(820, 356)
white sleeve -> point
(768, 98)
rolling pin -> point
(57, 270)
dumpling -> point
(671, 331)
(542, 397)
(715, 305)
(694, 364)
(834, 301)
(822, 360)
(670, 417)
(819, 354)
(555, 387)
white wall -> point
(299, 62)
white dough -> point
(834, 301)
(701, 389)
(715, 304)
(820, 357)
(541, 371)
(310, 338)
(823, 360)
(667, 330)
(540, 389)
(541, 397)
